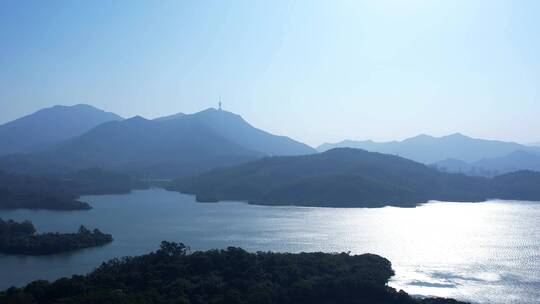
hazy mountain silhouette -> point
(344, 177)
(453, 165)
(515, 161)
(168, 117)
(49, 126)
(520, 185)
(428, 149)
(177, 146)
(236, 129)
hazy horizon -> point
(312, 145)
(314, 71)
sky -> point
(317, 71)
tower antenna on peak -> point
(219, 104)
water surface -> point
(483, 252)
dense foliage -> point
(351, 178)
(31, 192)
(60, 192)
(522, 185)
(171, 275)
(20, 238)
(94, 181)
(12, 229)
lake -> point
(483, 252)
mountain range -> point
(456, 153)
(50, 126)
(172, 146)
(60, 139)
(169, 117)
(515, 161)
(346, 177)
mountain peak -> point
(217, 113)
(428, 149)
(456, 135)
(49, 126)
(83, 106)
(238, 130)
(136, 119)
(419, 137)
(214, 110)
(170, 117)
(80, 106)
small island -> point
(173, 274)
(21, 238)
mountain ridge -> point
(177, 146)
(49, 126)
(515, 161)
(347, 177)
(429, 149)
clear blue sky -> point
(314, 70)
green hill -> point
(61, 192)
(231, 276)
(348, 177)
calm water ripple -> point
(483, 252)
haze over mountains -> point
(171, 146)
(61, 139)
(168, 117)
(515, 161)
(49, 126)
(455, 153)
(428, 149)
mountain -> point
(180, 146)
(343, 177)
(535, 144)
(521, 185)
(428, 149)
(236, 129)
(168, 117)
(453, 165)
(49, 126)
(515, 161)
(347, 177)
(150, 148)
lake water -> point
(483, 252)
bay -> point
(482, 252)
